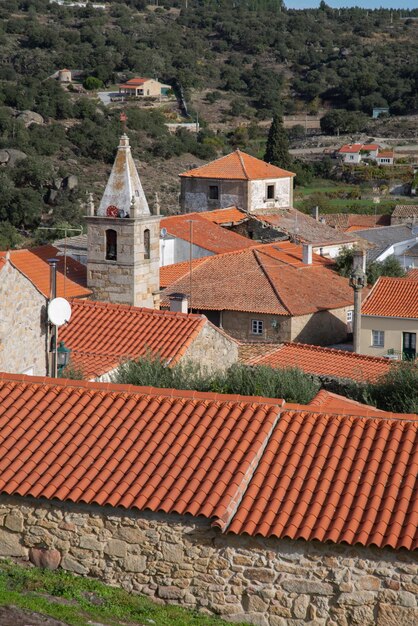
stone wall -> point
(23, 336)
(194, 195)
(212, 349)
(322, 328)
(265, 582)
(277, 328)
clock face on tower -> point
(112, 211)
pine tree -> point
(277, 148)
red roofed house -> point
(144, 88)
(237, 179)
(389, 319)
(357, 152)
(101, 335)
(273, 292)
(296, 512)
(24, 293)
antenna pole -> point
(54, 329)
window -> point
(257, 327)
(147, 244)
(350, 316)
(378, 338)
(111, 245)
(270, 192)
(213, 192)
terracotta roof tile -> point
(253, 349)
(350, 222)
(325, 361)
(230, 215)
(170, 273)
(327, 402)
(405, 210)
(351, 148)
(392, 297)
(238, 166)
(412, 274)
(204, 233)
(338, 478)
(304, 227)
(33, 264)
(101, 334)
(270, 278)
(249, 464)
(144, 448)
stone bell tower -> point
(123, 239)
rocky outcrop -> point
(30, 117)
(10, 156)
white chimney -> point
(178, 303)
(307, 253)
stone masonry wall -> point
(23, 342)
(173, 559)
(213, 350)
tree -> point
(277, 148)
(389, 267)
(91, 83)
(9, 236)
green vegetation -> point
(81, 601)
(389, 267)
(277, 148)
(291, 384)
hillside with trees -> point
(247, 60)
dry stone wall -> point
(183, 560)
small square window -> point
(257, 327)
(270, 192)
(378, 338)
(350, 315)
(213, 192)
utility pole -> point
(357, 282)
(54, 329)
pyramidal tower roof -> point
(124, 190)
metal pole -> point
(357, 320)
(190, 265)
(54, 329)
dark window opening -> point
(147, 244)
(270, 192)
(111, 245)
(213, 192)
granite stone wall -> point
(182, 560)
(23, 326)
(213, 350)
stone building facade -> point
(183, 560)
(23, 324)
(212, 350)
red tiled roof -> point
(134, 82)
(170, 273)
(412, 275)
(205, 234)
(131, 447)
(392, 297)
(336, 478)
(33, 264)
(385, 153)
(353, 221)
(370, 146)
(327, 402)
(101, 334)
(325, 362)
(405, 210)
(231, 215)
(304, 227)
(238, 166)
(270, 278)
(248, 464)
(351, 148)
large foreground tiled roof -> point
(392, 297)
(270, 278)
(325, 362)
(34, 265)
(336, 478)
(238, 166)
(102, 334)
(204, 233)
(246, 464)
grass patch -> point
(79, 601)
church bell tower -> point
(123, 239)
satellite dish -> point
(163, 233)
(59, 311)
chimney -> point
(315, 213)
(178, 303)
(307, 253)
